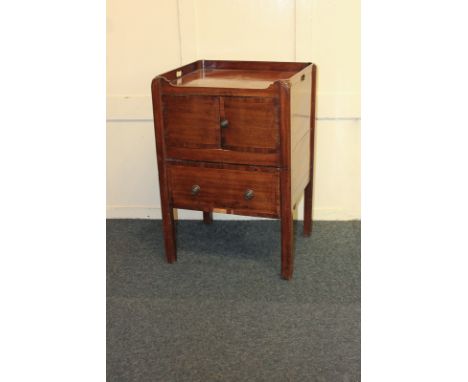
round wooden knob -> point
(195, 189)
(249, 194)
(224, 123)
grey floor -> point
(222, 312)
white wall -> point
(148, 37)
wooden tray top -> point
(232, 74)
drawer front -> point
(237, 130)
(206, 188)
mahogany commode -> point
(236, 137)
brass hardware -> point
(224, 123)
(195, 189)
(249, 194)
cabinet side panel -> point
(300, 109)
(300, 157)
(300, 134)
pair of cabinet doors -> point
(238, 124)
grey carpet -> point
(222, 312)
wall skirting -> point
(154, 212)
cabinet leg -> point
(287, 244)
(169, 234)
(207, 217)
(308, 209)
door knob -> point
(224, 123)
(195, 189)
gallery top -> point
(232, 74)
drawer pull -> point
(195, 189)
(224, 123)
(248, 194)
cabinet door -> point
(252, 124)
(191, 122)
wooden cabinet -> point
(236, 137)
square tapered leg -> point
(207, 217)
(169, 234)
(287, 244)
(308, 209)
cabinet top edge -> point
(234, 74)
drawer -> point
(240, 130)
(237, 191)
